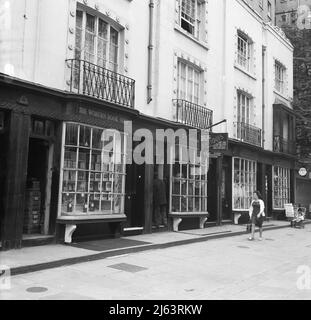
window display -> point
(189, 184)
(281, 187)
(93, 171)
(244, 183)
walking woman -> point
(257, 214)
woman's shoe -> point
(260, 239)
(250, 238)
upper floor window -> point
(244, 107)
(96, 41)
(191, 16)
(244, 51)
(189, 82)
(280, 72)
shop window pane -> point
(96, 141)
(70, 158)
(191, 204)
(191, 190)
(69, 181)
(82, 182)
(199, 188)
(85, 137)
(107, 186)
(184, 204)
(198, 204)
(67, 203)
(106, 203)
(71, 134)
(84, 159)
(176, 187)
(95, 182)
(94, 202)
(117, 203)
(96, 161)
(118, 183)
(81, 203)
(176, 204)
(119, 168)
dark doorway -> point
(36, 186)
(134, 201)
(268, 191)
(212, 191)
(226, 195)
(3, 158)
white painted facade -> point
(40, 35)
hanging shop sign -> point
(218, 142)
(303, 172)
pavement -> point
(279, 267)
(31, 259)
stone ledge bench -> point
(71, 222)
(178, 217)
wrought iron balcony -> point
(248, 133)
(282, 145)
(192, 114)
(92, 80)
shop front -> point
(57, 168)
(92, 180)
(270, 173)
(303, 185)
(93, 183)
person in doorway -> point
(257, 214)
(159, 202)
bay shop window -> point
(188, 183)
(92, 171)
(281, 187)
(244, 183)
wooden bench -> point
(178, 217)
(71, 222)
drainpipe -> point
(224, 51)
(150, 50)
(263, 94)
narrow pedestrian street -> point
(229, 268)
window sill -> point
(89, 218)
(191, 37)
(245, 72)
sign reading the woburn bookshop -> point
(101, 115)
(218, 142)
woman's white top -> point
(262, 208)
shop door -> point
(226, 193)
(3, 157)
(134, 200)
(212, 191)
(38, 182)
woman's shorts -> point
(257, 221)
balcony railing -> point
(282, 145)
(92, 80)
(192, 114)
(248, 133)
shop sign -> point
(303, 172)
(101, 115)
(218, 142)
